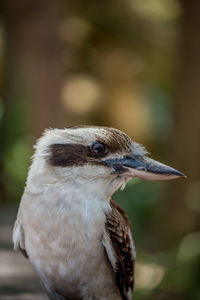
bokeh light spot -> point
(81, 94)
(148, 276)
(190, 246)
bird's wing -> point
(120, 250)
(18, 238)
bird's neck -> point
(82, 210)
(73, 198)
(72, 195)
(87, 200)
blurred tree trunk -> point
(180, 218)
(33, 74)
(33, 41)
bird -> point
(77, 238)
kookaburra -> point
(78, 239)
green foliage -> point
(16, 162)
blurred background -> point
(129, 64)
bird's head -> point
(99, 156)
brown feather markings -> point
(69, 154)
(118, 229)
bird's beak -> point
(143, 167)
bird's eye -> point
(98, 149)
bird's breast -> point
(63, 241)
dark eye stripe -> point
(66, 155)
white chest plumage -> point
(63, 237)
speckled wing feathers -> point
(118, 230)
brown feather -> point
(118, 229)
